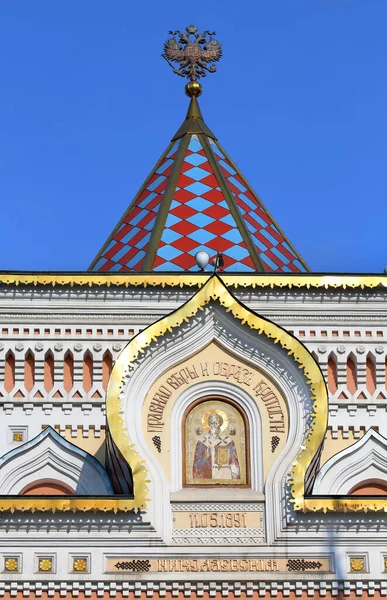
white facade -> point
(331, 322)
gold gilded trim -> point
(195, 280)
(215, 289)
(344, 504)
(209, 289)
(65, 504)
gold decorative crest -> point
(195, 53)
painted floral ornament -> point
(45, 564)
(11, 564)
(79, 564)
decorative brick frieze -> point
(84, 431)
(345, 432)
(192, 589)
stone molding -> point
(220, 506)
(187, 589)
(366, 460)
(49, 457)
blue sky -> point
(87, 105)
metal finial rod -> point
(218, 262)
(194, 53)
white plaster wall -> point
(341, 322)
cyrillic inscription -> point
(234, 372)
(218, 565)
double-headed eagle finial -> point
(195, 54)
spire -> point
(194, 122)
(195, 199)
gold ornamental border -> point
(268, 280)
(65, 504)
(215, 289)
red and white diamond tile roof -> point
(196, 199)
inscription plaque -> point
(218, 565)
(218, 520)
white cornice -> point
(180, 587)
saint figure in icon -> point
(215, 452)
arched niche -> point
(355, 467)
(370, 488)
(215, 444)
(50, 458)
(169, 352)
(47, 488)
(215, 370)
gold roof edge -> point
(67, 504)
(259, 280)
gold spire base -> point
(193, 89)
